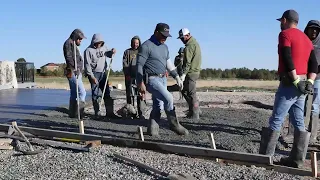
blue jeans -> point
(73, 90)
(288, 99)
(316, 98)
(97, 89)
(162, 99)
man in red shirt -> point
(297, 70)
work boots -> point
(109, 105)
(174, 123)
(269, 139)
(73, 108)
(96, 108)
(313, 128)
(298, 151)
(153, 127)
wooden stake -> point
(140, 133)
(213, 144)
(314, 164)
(81, 127)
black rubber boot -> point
(96, 107)
(81, 106)
(72, 108)
(153, 127)
(299, 150)
(174, 123)
(269, 139)
(313, 128)
(109, 105)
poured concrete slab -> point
(25, 103)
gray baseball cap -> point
(291, 15)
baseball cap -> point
(163, 28)
(183, 32)
(290, 14)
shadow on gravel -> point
(26, 107)
(258, 104)
(217, 127)
(17, 112)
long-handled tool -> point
(105, 84)
(81, 126)
(167, 175)
(32, 151)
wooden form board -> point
(160, 147)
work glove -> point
(183, 77)
(309, 86)
(300, 85)
(179, 83)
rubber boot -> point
(96, 108)
(153, 127)
(174, 123)
(195, 113)
(299, 150)
(72, 108)
(269, 139)
(109, 105)
(81, 106)
(313, 128)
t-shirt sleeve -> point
(284, 40)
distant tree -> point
(21, 60)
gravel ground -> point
(236, 126)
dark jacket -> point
(129, 60)
(68, 51)
(315, 42)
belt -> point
(156, 75)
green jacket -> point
(192, 57)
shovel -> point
(167, 175)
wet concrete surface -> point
(17, 103)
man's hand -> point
(76, 72)
(94, 80)
(300, 85)
(183, 77)
(142, 90)
(309, 86)
(179, 82)
(113, 50)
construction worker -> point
(95, 68)
(73, 73)
(129, 69)
(152, 62)
(190, 71)
(297, 70)
(312, 31)
(178, 61)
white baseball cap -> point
(183, 32)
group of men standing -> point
(299, 72)
(145, 67)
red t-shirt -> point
(301, 47)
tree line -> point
(208, 73)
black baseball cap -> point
(291, 15)
(163, 28)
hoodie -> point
(95, 58)
(316, 41)
(68, 50)
(129, 60)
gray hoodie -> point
(95, 58)
(316, 41)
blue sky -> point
(231, 33)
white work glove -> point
(179, 82)
(183, 77)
